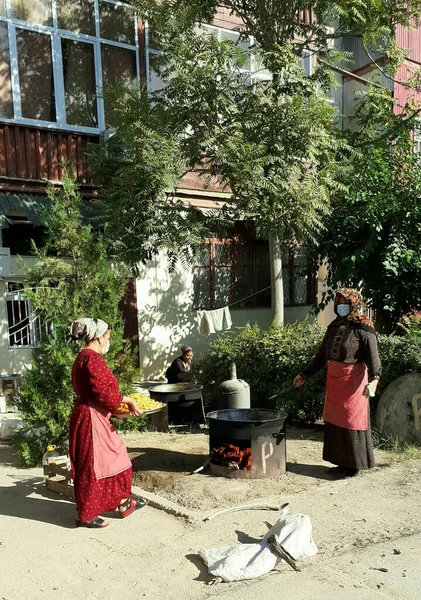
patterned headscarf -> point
(357, 306)
(88, 329)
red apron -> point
(345, 403)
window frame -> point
(56, 34)
(251, 245)
(33, 331)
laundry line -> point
(228, 305)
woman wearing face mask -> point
(350, 349)
(102, 471)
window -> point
(230, 270)
(35, 75)
(237, 272)
(253, 69)
(79, 83)
(18, 236)
(24, 327)
(56, 55)
(306, 62)
(38, 12)
(6, 99)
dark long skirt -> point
(348, 448)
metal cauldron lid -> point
(176, 388)
(247, 415)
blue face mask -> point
(343, 310)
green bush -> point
(399, 355)
(62, 290)
(410, 325)
(269, 361)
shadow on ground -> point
(316, 471)
(18, 501)
(203, 574)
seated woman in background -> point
(179, 370)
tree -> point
(373, 235)
(138, 170)
(72, 279)
(271, 142)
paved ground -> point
(358, 525)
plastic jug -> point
(45, 460)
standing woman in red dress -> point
(101, 467)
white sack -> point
(248, 561)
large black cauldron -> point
(259, 429)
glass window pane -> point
(263, 282)
(156, 82)
(203, 259)
(118, 66)
(6, 100)
(201, 286)
(36, 75)
(262, 255)
(244, 286)
(243, 255)
(116, 23)
(222, 254)
(286, 280)
(300, 289)
(79, 83)
(76, 15)
(2, 8)
(33, 11)
(222, 286)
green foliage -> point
(72, 279)
(139, 169)
(279, 23)
(410, 324)
(269, 361)
(373, 234)
(270, 139)
(399, 355)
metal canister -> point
(234, 393)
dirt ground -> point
(367, 529)
(162, 463)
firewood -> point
(282, 553)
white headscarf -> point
(88, 329)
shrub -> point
(269, 361)
(410, 325)
(61, 291)
(399, 355)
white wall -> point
(167, 320)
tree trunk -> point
(275, 250)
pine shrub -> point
(72, 279)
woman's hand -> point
(299, 381)
(134, 410)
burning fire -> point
(233, 457)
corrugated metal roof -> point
(22, 205)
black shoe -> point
(351, 472)
(336, 470)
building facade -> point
(55, 58)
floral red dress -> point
(94, 385)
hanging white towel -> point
(211, 321)
(204, 322)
